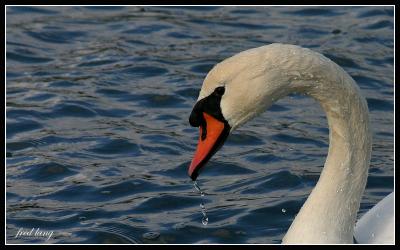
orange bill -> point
(216, 133)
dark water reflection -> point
(98, 139)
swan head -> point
(233, 92)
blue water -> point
(98, 139)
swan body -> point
(377, 225)
(246, 84)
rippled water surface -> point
(98, 139)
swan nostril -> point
(196, 119)
(203, 131)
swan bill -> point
(213, 134)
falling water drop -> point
(204, 212)
(196, 186)
(204, 220)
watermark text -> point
(34, 232)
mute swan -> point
(246, 84)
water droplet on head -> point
(283, 210)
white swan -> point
(246, 84)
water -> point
(98, 139)
(196, 186)
(204, 220)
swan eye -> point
(219, 91)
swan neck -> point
(329, 213)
